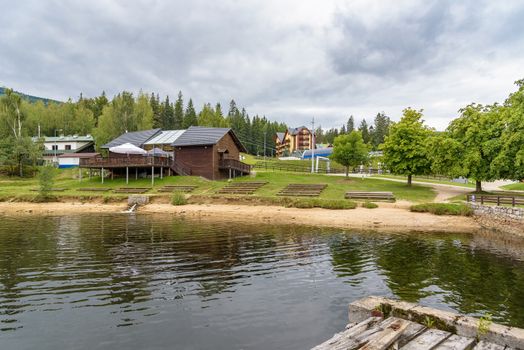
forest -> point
(485, 142)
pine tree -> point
(382, 124)
(190, 118)
(168, 115)
(363, 128)
(350, 126)
(157, 116)
(179, 112)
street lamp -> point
(56, 145)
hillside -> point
(30, 98)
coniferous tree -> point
(381, 130)
(157, 115)
(363, 128)
(168, 115)
(179, 112)
(350, 126)
(190, 118)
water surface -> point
(154, 282)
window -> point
(68, 147)
(54, 147)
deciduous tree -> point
(350, 150)
(404, 149)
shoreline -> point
(392, 219)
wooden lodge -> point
(213, 153)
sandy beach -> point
(385, 217)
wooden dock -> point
(383, 324)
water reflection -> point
(137, 281)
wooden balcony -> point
(233, 164)
(122, 162)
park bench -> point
(302, 190)
(132, 190)
(241, 187)
(177, 188)
(94, 189)
(52, 189)
(375, 196)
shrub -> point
(319, 203)
(46, 179)
(443, 209)
(369, 205)
(178, 198)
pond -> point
(155, 282)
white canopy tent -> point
(127, 148)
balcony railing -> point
(235, 165)
(116, 162)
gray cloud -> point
(288, 60)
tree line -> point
(485, 143)
(372, 135)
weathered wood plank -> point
(383, 339)
(427, 340)
(456, 342)
(483, 345)
(343, 339)
(413, 330)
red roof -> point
(79, 155)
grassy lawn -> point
(431, 181)
(514, 187)
(21, 189)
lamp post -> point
(56, 146)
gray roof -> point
(137, 138)
(68, 138)
(200, 136)
(280, 136)
(166, 137)
(294, 131)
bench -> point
(177, 188)
(132, 190)
(94, 189)
(376, 196)
(248, 187)
(302, 190)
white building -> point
(56, 146)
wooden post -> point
(230, 173)
(153, 175)
(136, 173)
(127, 175)
(512, 201)
(161, 172)
(112, 174)
(102, 174)
(79, 174)
(482, 200)
(89, 173)
(498, 201)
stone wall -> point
(506, 219)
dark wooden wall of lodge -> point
(204, 160)
(198, 158)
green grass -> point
(443, 209)
(425, 180)
(519, 186)
(12, 188)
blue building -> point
(319, 152)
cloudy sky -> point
(288, 60)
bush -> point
(443, 209)
(369, 205)
(319, 203)
(46, 179)
(178, 198)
